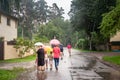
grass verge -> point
(112, 59)
(24, 59)
(10, 74)
(92, 51)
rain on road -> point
(78, 66)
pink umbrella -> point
(54, 42)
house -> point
(8, 32)
(8, 26)
(115, 42)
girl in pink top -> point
(69, 49)
(56, 55)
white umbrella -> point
(38, 44)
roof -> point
(6, 14)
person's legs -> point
(61, 55)
(42, 64)
(51, 63)
(69, 50)
(57, 60)
(39, 68)
(46, 63)
(38, 65)
(56, 63)
(42, 68)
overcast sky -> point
(65, 4)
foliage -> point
(26, 16)
(24, 59)
(76, 36)
(34, 14)
(80, 43)
(112, 59)
(111, 22)
(41, 11)
(57, 27)
(1, 39)
(10, 74)
(48, 30)
(98, 38)
(23, 46)
(55, 12)
(87, 15)
(9, 5)
(42, 39)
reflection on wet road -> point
(79, 66)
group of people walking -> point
(45, 58)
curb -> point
(114, 66)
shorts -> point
(41, 62)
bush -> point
(23, 46)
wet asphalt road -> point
(78, 66)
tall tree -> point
(55, 12)
(41, 11)
(26, 17)
(7, 5)
(87, 15)
(110, 24)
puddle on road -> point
(104, 73)
(84, 75)
(109, 75)
(94, 70)
(32, 75)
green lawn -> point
(10, 74)
(25, 59)
(91, 51)
(112, 59)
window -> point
(16, 24)
(0, 18)
(8, 21)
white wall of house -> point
(9, 51)
(9, 32)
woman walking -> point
(56, 55)
(41, 58)
(69, 49)
(51, 60)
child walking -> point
(51, 60)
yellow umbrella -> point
(48, 49)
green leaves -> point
(111, 22)
(23, 46)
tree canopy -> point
(111, 22)
(87, 15)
